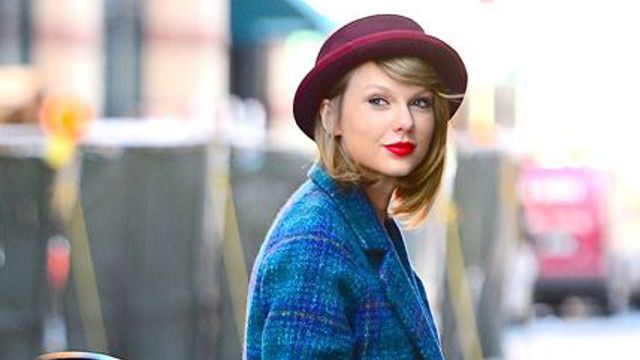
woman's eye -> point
(378, 101)
(423, 103)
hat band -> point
(323, 61)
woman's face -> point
(385, 125)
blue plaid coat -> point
(331, 282)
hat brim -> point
(313, 88)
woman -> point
(332, 279)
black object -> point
(484, 193)
(25, 223)
(143, 209)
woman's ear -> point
(329, 117)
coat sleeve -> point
(423, 296)
(300, 303)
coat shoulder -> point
(309, 212)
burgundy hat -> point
(371, 38)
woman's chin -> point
(397, 170)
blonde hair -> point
(416, 191)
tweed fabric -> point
(330, 282)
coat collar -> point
(356, 208)
(375, 241)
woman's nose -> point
(403, 119)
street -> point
(582, 337)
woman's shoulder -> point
(309, 213)
(309, 206)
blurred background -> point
(145, 147)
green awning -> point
(254, 21)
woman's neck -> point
(379, 194)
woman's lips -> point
(401, 148)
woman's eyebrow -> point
(423, 92)
(378, 86)
(419, 92)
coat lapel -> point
(373, 238)
(407, 305)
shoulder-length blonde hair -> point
(416, 191)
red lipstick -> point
(402, 148)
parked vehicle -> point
(567, 222)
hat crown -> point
(366, 26)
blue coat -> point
(331, 282)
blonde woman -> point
(332, 279)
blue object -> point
(332, 282)
(256, 21)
